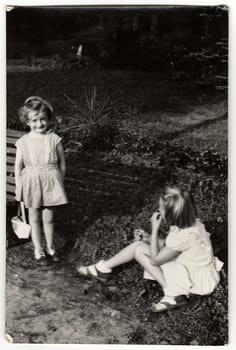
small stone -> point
(115, 314)
(113, 289)
(220, 219)
(32, 313)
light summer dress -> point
(41, 182)
(195, 270)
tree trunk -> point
(135, 23)
(154, 24)
(101, 23)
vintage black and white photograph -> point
(117, 182)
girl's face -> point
(38, 122)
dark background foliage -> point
(185, 38)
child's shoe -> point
(168, 303)
(53, 257)
(99, 271)
(41, 259)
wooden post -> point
(135, 23)
(153, 23)
(101, 24)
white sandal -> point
(167, 303)
(92, 271)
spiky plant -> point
(93, 112)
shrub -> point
(93, 112)
(92, 122)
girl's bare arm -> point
(156, 222)
(160, 254)
(19, 165)
(61, 160)
(165, 255)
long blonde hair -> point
(179, 207)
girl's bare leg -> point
(48, 226)
(35, 222)
(142, 253)
(124, 256)
(138, 251)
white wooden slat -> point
(15, 133)
(10, 188)
(11, 140)
(11, 150)
(10, 160)
(11, 197)
(10, 169)
(11, 180)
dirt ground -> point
(53, 304)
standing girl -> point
(183, 264)
(39, 174)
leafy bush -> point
(102, 136)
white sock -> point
(51, 251)
(102, 267)
(38, 253)
(168, 299)
(175, 291)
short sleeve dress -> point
(195, 270)
(200, 269)
(41, 181)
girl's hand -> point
(156, 220)
(141, 235)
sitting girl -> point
(183, 264)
